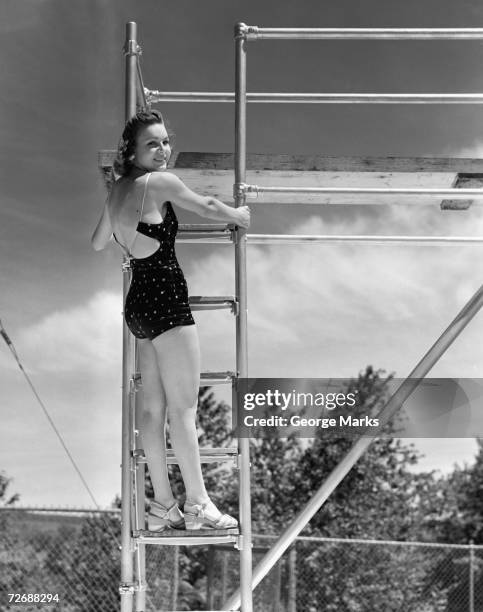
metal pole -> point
(139, 506)
(361, 445)
(245, 540)
(454, 194)
(317, 98)
(277, 586)
(471, 606)
(126, 587)
(175, 579)
(224, 573)
(210, 578)
(419, 240)
(140, 90)
(256, 33)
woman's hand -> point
(243, 216)
(170, 187)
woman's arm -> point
(175, 190)
(103, 232)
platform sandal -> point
(207, 516)
(161, 518)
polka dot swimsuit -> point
(157, 300)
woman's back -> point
(132, 200)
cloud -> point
(318, 309)
(473, 150)
(85, 338)
(310, 307)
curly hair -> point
(125, 152)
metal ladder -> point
(140, 536)
(134, 537)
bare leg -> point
(179, 365)
(152, 422)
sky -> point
(314, 311)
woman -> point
(140, 216)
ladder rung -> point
(198, 228)
(203, 239)
(177, 537)
(206, 378)
(255, 549)
(217, 378)
(201, 302)
(207, 455)
(205, 233)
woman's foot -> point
(161, 518)
(206, 515)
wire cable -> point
(10, 345)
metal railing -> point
(316, 98)
(257, 33)
(454, 194)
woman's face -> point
(152, 151)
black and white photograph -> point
(240, 332)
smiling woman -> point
(139, 214)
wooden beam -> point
(463, 181)
(322, 163)
(212, 174)
(318, 163)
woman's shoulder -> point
(127, 186)
(122, 193)
(163, 178)
(165, 184)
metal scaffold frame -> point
(244, 33)
(132, 514)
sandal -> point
(207, 516)
(161, 518)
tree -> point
(460, 521)
(87, 561)
(4, 484)
(374, 480)
(379, 498)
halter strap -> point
(127, 251)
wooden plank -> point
(219, 184)
(317, 163)
(175, 537)
(463, 181)
(211, 174)
(323, 163)
(188, 533)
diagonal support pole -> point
(360, 446)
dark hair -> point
(125, 153)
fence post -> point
(292, 579)
(472, 578)
(224, 574)
(175, 579)
(277, 585)
(210, 575)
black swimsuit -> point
(157, 299)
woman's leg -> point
(151, 421)
(178, 357)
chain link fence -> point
(72, 558)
